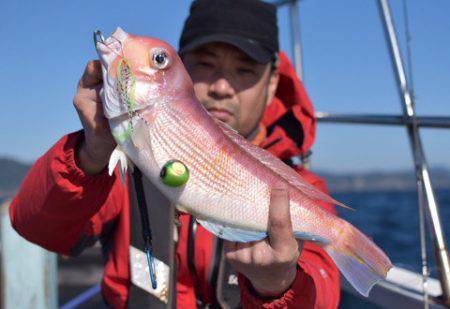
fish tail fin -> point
(358, 258)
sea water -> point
(391, 219)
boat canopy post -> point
(295, 34)
(421, 165)
(295, 37)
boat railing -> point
(28, 273)
(380, 119)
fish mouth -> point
(112, 44)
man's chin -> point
(227, 122)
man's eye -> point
(245, 71)
(204, 64)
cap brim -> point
(248, 46)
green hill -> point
(12, 172)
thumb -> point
(279, 223)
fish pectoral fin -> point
(141, 135)
(232, 233)
(118, 157)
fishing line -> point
(145, 225)
(420, 187)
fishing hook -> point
(98, 37)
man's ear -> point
(273, 84)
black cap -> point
(250, 25)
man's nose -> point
(221, 87)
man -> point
(230, 49)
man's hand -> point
(93, 154)
(269, 264)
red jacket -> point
(64, 210)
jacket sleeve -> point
(317, 282)
(61, 208)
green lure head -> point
(174, 173)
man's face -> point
(233, 87)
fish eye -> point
(160, 58)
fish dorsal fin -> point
(278, 167)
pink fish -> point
(155, 117)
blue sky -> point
(45, 45)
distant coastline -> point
(12, 173)
(385, 181)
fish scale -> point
(186, 133)
(177, 129)
(295, 209)
(177, 149)
(179, 146)
(173, 134)
(181, 136)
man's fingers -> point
(229, 247)
(88, 104)
(238, 252)
(87, 100)
(280, 226)
(92, 75)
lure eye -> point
(160, 58)
(174, 173)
